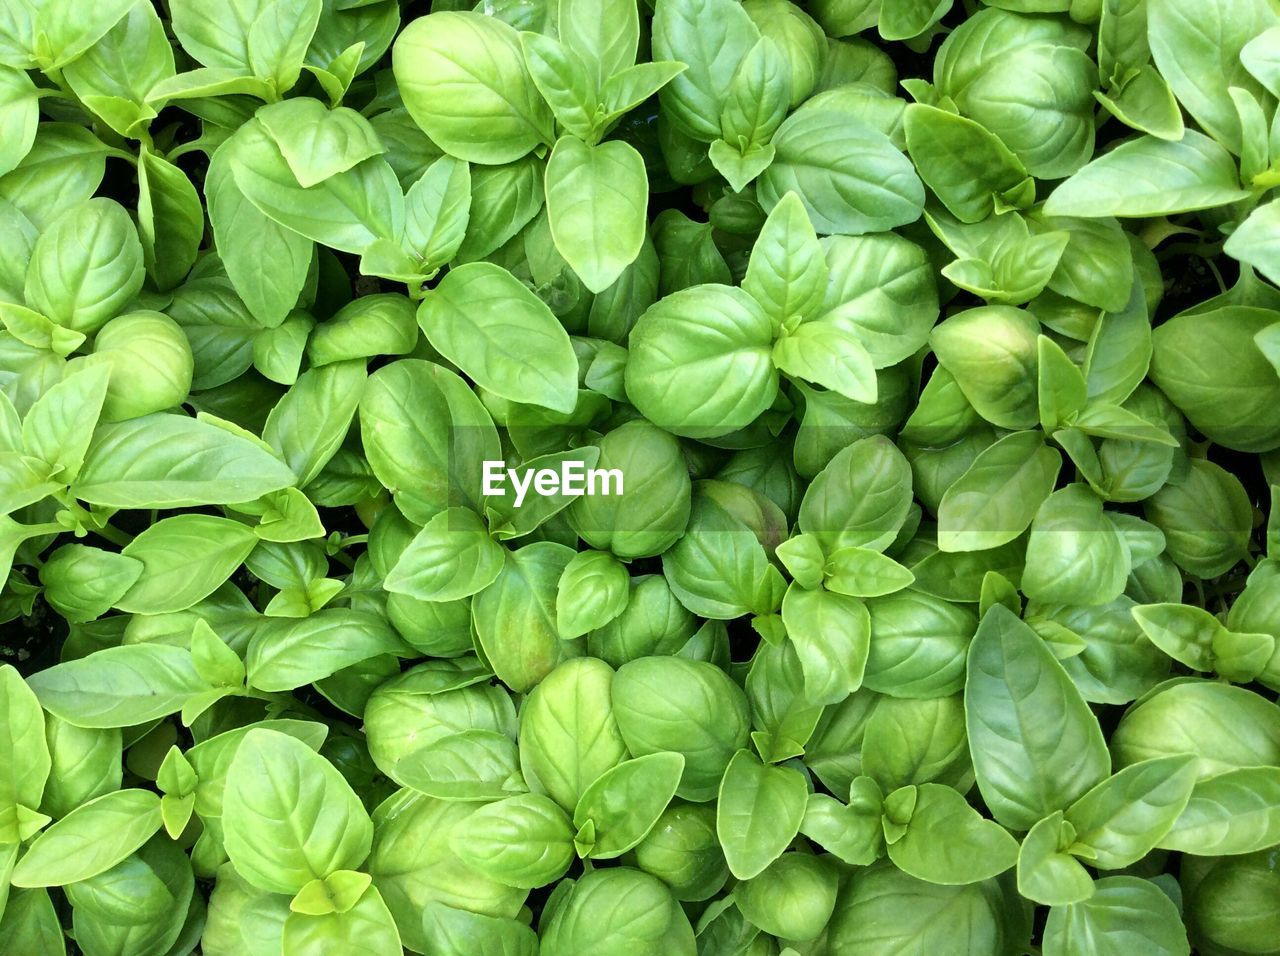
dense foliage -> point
(937, 345)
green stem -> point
(48, 92)
(195, 145)
(1205, 250)
(1217, 275)
(114, 535)
(55, 74)
(1158, 230)
(122, 154)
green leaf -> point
(909, 741)
(759, 96)
(514, 618)
(475, 765)
(63, 168)
(908, 19)
(699, 361)
(629, 88)
(170, 220)
(24, 482)
(86, 265)
(508, 520)
(719, 568)
(244, 236)
(593, 590)
(524, 841)
(1008, 263)
(83, 583)
(119, 686)
(947, 841)
(285, 653)
(1197, 49)
(1151, 177)
(1036, 746)
(1146, 103)
(90, 839)
(184, 559)
(568, 734)
(1124, 817)
(32, 921)
(309, 423)
(832, 637)
(993, 354)
(450, 558)
(289, 816)
(689, 707)
(58, 427)
(458, 932)
(1184, 632)
(1260, 59)
(368, 925)
(605, 34)
(318, 143)
(787, 273)
(851, 833)
(828, 355)
(804, 560)
(794, 898)
(22, 745)
(563, 78)
(1119, 351)
(1062, 391)
(860, 499)
(966, 166)
(502, 335)
(740, 168)
(336, 893)
(1047, 873)
(347, 211)
(996, 499)
(214, 660)
(172, 461)
(711, 37)
(862, 572)
(492, 116)
(1254, 241)
(273, 50)
(121, 69)
(426, 435)
(895, 912)
(63, 34)
(1074, 553)
(623, 804)
(19, 117)
(850, 177)
(1235, 411)
(437, 210)
(1233, 812)
(1124, 912)
(759, 812)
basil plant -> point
(614, 478)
